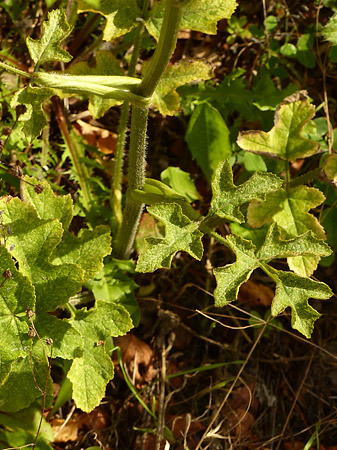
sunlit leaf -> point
(48, 48)
(285, 139)
(290, 210)
(121, 15)
(198, 15)
(181, 234)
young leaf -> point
(227, 198)
(290, 210)
(165, 97)
(121, 15)
(292, 290)
(198, 15)
(35, 119)
(181, 234)
(34, 241)
(285, 139)
(90, 373)
(208, 138)
(181, 182)
(16, 295)
(48, 48)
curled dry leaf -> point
(138, 358)
(255, 294)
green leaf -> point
(290, 210)
(16, 295)
(330, 167)
(181, 182)
(289, 50)
(121, 15)
(34, 119)
(232, 276)
(330, 30)
(34, 241)
(181, 234)
(113, 285)
(165, 97)
(198, 15)
(285, 139)
(291, 289)
(295, 291)
(67, 341)
(48, 205)
(86, 251)
(48, 48)
(106, 64)
(208, 138)
(90, 373)
(19, 389)
(227, 198)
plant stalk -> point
(137, 154)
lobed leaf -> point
(284, 140)
(91, 372)
(291, 289)
(295, 291)
(121, 15)
(34, 119)
(227, 198)
(181, 234)
(165, 97)
(330, 30)
(290, 210)
(16, 295)
(198, 15)
(20, 387)
(48, 48)
(34, 241)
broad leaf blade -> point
(290, 210)
(208, 138)
(198, 15)
(181, 234)
(165, 97)
(16, 295)
(295, 291)
(90, 373)
(121, 15)
(86, 251)
(34, 241)
(330, 30)
(227, 198)
(48, 205)
(231, 277)
(34, 119)
(48, 48)
(285, 139)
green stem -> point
(136, 173)
(116, 194)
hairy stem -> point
(116, 194)
(137, 155)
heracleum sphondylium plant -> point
(54, 265)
